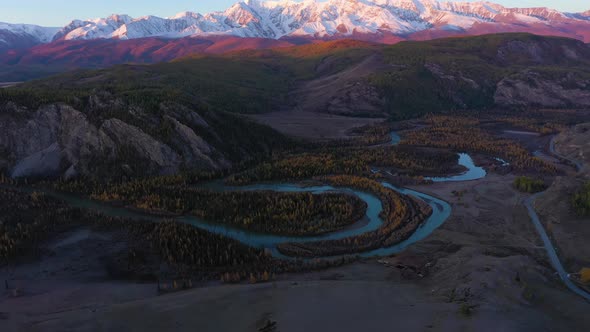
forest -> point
(349, 161)
(464, 133)
(261, 211)
(29, 219)
(250, 81)
(258, 211)
(401, 216)
(541, 121)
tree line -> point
(29, 220)
(258, 211)
(347, 161)
(465, 134)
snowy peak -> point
(187, 16)
(36, 32)
(93, 29)
(276, 19)
(15, 36)
(582, 16)
(314, 19)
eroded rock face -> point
(357, 98)
(58, 140)
(532, 89)
(541, 51)
(194, 149)
(127, 136)
(42, 143)
(346, 92)
(46, 162)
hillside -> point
(172, 117)
(502, 70)
(177, 116)
(60, 56)
(253, 81)
(453, 73)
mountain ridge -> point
(24, 35)
(28, 52)
(287, 18)
(277, 19)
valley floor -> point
(367, 297)
(484, 270)
(312, 125)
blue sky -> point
(61, 12)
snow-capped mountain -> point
(276, 19)
(24, 35)
(365, 19)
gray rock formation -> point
(57, 140)
(532, 89)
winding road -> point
(551, 251)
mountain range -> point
(280, 19)
(267, 24)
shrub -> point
(529, 185)
(581, 200)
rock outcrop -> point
(531, 89)
(58, 140)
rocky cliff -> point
(58, 140)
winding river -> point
(473, 172)
(395, 138)
(441, 211)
